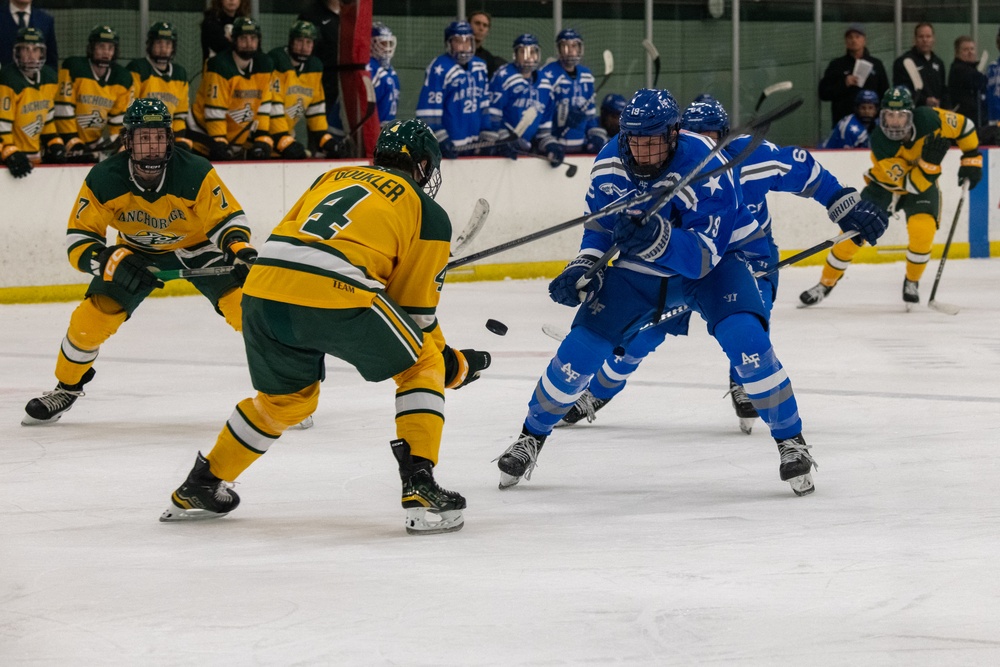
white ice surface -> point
(660, 535)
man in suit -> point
(18, 14)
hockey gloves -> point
(291, 149)
(971, 169)
(851, 212)
(119, 265)
(55, 153)
(259, 150)
(934, 150)
(555, 152)
(242, 256)
(448, 150)
(642, 237)
(563, 289)
(218, 151)
(463, 366)
(18, 164)
(575, 116)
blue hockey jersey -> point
(385, 81)
(570, 113)
(454, 99)
(849, 133)
(510, 96)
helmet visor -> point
(526, 58)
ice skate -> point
(519, 459)
(911, 293)
(50, 406)
(201, 496)
(423, 495)
(304, 424)
(814, 295)
(585, 406)
(796, 464)
(745, 410)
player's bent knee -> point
(96, 319)
(426, 373)
(921, 229)
(280, 411)
(229, 306)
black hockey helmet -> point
(147, 112)
(102, 34)
(157, 31)
(27, 40)
(411, 147)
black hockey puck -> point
(497, 327)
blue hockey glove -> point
(563, 289)
(448, 150)
(595, 143)
(555, 152)
(575, 116)
(646, 241)
(847, 209)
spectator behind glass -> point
(991, 133)
(966, 84)
(481, 22)
(20, 14)
(839, 86)
(325, 15)
(217, 27)
(929, 88)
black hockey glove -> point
(448, 150)
(935, 148)
(563, 289)
(462, 367)
(291, 149)
(119, 265)
(218, 151)
(55, 153)
(645, 238)
(18, 164)
(971, 169)
(242, 256)
(259, 150)
(851, 212)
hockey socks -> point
(748, 346)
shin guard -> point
(921, 228)
(96, 319)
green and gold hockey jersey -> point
(229, 99)
(897, 165)
(27, 111)
(170, 87)
(86, 104)
(358, 231)
(299, 94)
(191, 208)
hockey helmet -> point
(864, 97)
(613, 103)
(459, 40)
(102, 34)
(706, 116)
(301, 30)
(647, 139)
(151, 113)
(527, 53)
(161, 30)
(411, 147)
(569, 46)
(383, 44)
(896, 116)
(245, 26)
(29, 50)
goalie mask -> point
(301, 41)
(148, 136)
(411, 147)
(647, 138)
(527, 54)
(29, 51)
(707, 115)
(161, 44)
(383, 44)
(460, 42)
(569, 45)
(896, 117)
(102, 34)
(246, 37)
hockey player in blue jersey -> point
(566, 90)
(385, 81)
(454, 98)
(769, 168)
(513, 91)
(682, 256)
(854, 129)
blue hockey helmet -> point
(706, 116)
(383, 44)
(866, 97)
(648, 132)
(527, 53)
(613, 104)
(569, 45)
(459, 40)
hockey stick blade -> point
(946, 308)
(778, 87)
(479, 214)
(609, 62)
(655, 55)
(174, 274)
(554, 332)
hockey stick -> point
(571, 168)
(947, 308)
(476, 222)
(914, 74)
(655, 55)
(808, 252)
(756, 128)
(174, 274)
(609, 68)
(778, 87)
(984, 62)
(617, 207)
(556, 333)
(516, 132)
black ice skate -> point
(201, 496)
(796, 464)
(911, 293)
(50, 406)
(585, 406)
(814, 295)
(745, 410)
(421, 494)
(519, 459)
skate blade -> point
(304, 424)
(562, 423)
(417, 524)
(507, 481)
(28, 420)
(802, 485)
(746, 424)
(174, 513)
(806, 305)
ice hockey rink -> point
(659, 535)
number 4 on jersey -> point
(330, 215)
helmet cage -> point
(896, 124)
(161, 31)
(653, 114)
(462, 48)
(102, 34)
(147, 113)
(527, 57)
(29, 41)
(301, 30)
(383, 46)
(570, 52)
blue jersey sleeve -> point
(430, 104)
(993, 91)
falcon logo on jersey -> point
(297, 110)
(93, 119)
(34, 128)
(153, 239)
(244, 115)
(612, 190)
